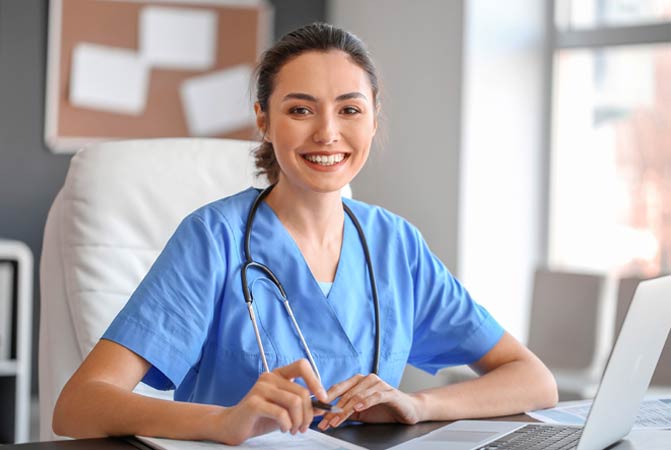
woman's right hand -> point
(274, 401)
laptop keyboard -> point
(535, 437)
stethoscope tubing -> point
(250, 263)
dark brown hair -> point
(320, 37)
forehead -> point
(322, 74)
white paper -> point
(653, 414)
(273, 441)
(6, 290)
(219, 102)
(178, 38)
(108, 79)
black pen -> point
(324, 406)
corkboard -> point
(243, 31)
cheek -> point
(289, 131)
(363, 134)
(283, 139)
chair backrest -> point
(625, 294)
(565, 323)
(120, 203)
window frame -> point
(558, 39)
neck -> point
(309, 216)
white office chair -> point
(120, 203)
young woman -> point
(367, 295)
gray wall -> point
(414, 171)
(30, 176)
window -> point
(610, 189)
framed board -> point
(127, 69)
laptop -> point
(623, 385)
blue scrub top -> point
(189, 320)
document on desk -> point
(653, 414)
(273, 441)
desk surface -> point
(371, 436)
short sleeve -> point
(168, 317)
(450, 327)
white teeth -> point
(324, 160)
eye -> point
(299, 111)
(350, 110)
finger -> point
(308, 415)
(303, 369)
(272, 379)
(334, 392)
(298, 390)
(328, 417)
(340, 388)
(297, 407)
(324, 424)
(366, 383)
(264, 408)
(354, 401)
(366, 386)
(369, 398)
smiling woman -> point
(331, 44)
(367, 294)
(321, 111)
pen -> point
(325, 406)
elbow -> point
(64, 419)
(551, 392)
(59, 420)
(58, 428)
(548, 395)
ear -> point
(261, 120)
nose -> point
(327, 130)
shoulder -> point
(231, 211)
(377, 220)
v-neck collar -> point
(289, 238)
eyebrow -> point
(310, 98)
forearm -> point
(97, 409)
(512, 388)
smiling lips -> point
(325, 160)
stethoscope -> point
(285, 301)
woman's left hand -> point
(369, 399)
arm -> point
(98, 401)
(513, 380)
(108, 375)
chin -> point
(326, 187)
(322, 183)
